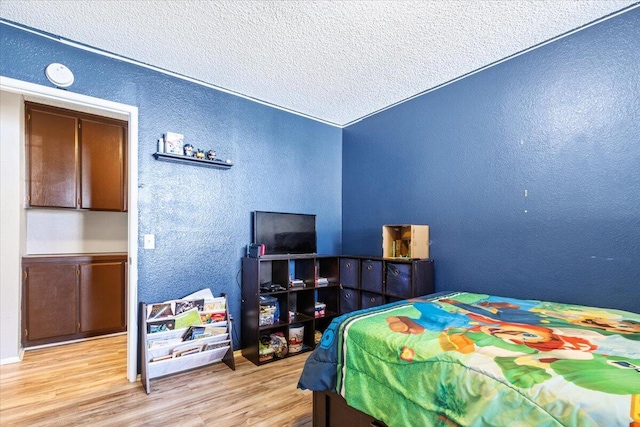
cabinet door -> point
(50, 299)
(349, 300)
(369, 299)
(349, 272)
(102, 293)
(102, 174)
(399, 279)
(52, 161)
(371, 273)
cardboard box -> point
(405, 241)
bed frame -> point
(331, 410)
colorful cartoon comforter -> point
(479, 360)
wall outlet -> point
(149, 241)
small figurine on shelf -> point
(188, 150)
(211, 155)
(200, 154)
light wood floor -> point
(85, 384)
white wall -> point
(57, 231)
(12, 223)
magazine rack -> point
(164, 352)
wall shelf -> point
(176, 158)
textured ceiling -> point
(336, 61)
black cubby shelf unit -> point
(343, 283)
(372, 281)
(297, 305)
(177, 158)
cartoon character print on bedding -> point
(587, 346)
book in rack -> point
(184, 334)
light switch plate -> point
(149, 241)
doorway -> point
(12, 287)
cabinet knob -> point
(348, 265)
(347, 296)
(369, 267)
(372, 299)
(396, 272)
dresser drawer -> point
(349, 300)
(399, 279)
(371, 275)
(349, 272)
(369, 299)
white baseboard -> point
(57, 344)
(14, 359)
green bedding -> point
(479, 360)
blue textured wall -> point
(561, 122)
(201, 217)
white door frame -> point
(131, 112)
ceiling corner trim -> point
(107, 54)
(500, 61)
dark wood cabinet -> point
(51, 301)
(52, 145)
(75, 160)
(72, 297)
(103, 160)
(102, 296)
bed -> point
(465, 359)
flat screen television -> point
(285, 233)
